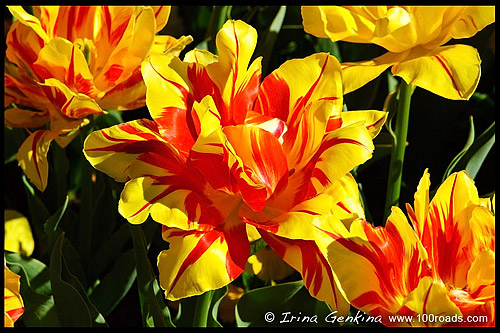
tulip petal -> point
(162, 13)
(421, 204)
(340, 151)
(261, 153)
(64, 61)
(32, 157)
(237, 82)
(316, 218)
(472, 19)
(452, 72)
(116, 149)
(446, 233)
(68, 22)
(29, 20)
(481, 276)
(337, 23)
(222, 251)
(378, 267)
(127, 95)
(166, 75)
(16, 117)
(18, 236)
(357, 74)
(69, 104)
(374, 120)
(307, 259)
(429, 297)
(13, 303)
(283, 96)
(124, 39)
(23, 46)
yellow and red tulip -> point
(225, 152)
(414, 37)
(66, 63)
(13, 302)
(443, 267)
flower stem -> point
(202, 308)
(398, 148)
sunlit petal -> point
(13, 303)
(32, 157)
(357, 74)
(223, 252)
(389, 262)
(18, 236)
(472, 19)
(307, 259)
(449, 71)
(429, 297)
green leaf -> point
(72, 304)
(39, 309)
(217, 19)
(108, 252)
(219, 294)
(13, 139)
(52, 223)
(60, 171)
(153, 309)
(266, 47)
(470, 139)
(474, 153)
(115, 285)
(256, 246)
(275, 306)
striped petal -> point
(447, 232)
(315, 219)
(374, 120)
(127, 95)
(431, 298)
(69, 104)
(158, 180)
(307, 259)
(340, 151)
(264, 160)
(200, 261)
(130, 150)
(32, 157)
(23, 46)
(29, 20)
(64, 61)
(471, 20)
(166, 75)
(17, 117)
(378, 267)
(452, 72)
(162, 13)
(236, 80)
(357, 74)
(123, 40)
(481, 276)
(13, 302)
(283, 96)
(69, 22)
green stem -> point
(202, 309)
(398, 148)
